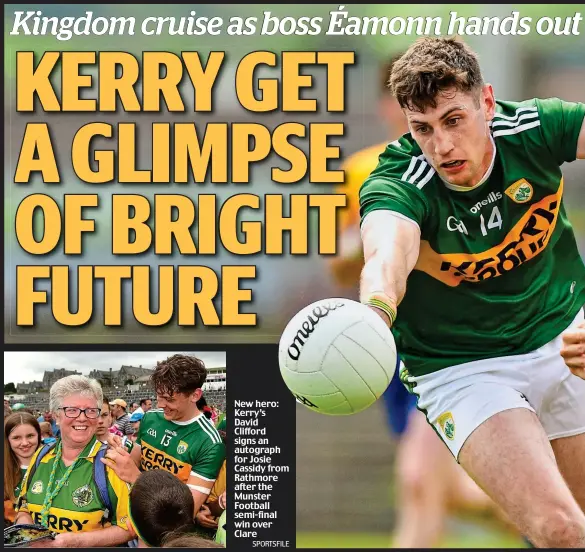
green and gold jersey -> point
(498, 271)
(23, 470)
(191, 448)
(77, 506)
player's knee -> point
(560, 528)
(415, 482)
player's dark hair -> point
(179, 374)
(11, 462)
(432, 66)
(160, 504)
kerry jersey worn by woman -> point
(78, 507)
(498, 272)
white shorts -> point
(459, 399)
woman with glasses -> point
(63, 492)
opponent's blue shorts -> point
(399, 403)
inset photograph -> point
(115, 448)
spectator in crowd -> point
(22, 437)
(48, 417)
(145, 406)
(222, 423)
(135, 420)
(214, 415)
(7, 410)
(121, 418)
(177, 429)
(63, 492)
(202, 406)
(47, 434)
(160, 504)
(104, 425)
(133, 407)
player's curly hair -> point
(179, 374)
(431, 66)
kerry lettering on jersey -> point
(153, 459)
(527, 238)
(192, 447)
(68, 521)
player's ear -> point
(488, 101)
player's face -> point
(455, 135)
(178, 406)
(78, 431)
(24, 440)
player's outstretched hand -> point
(121, 462)
(573, 350)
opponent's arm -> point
(581, 142)
(391, 247)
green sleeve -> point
(561, 123)
(393, 195)
(208, 461)
(398, 182)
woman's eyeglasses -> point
(73, 412)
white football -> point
(337, 356)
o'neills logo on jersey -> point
(154, 459)
(308, 326)
(491, 198)
(528, 238)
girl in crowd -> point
(22, 437)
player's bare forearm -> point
(391, 247)
(198, 498)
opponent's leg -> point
(570, 455)
(421, 483)
(509, 456)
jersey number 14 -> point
(495, 221)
